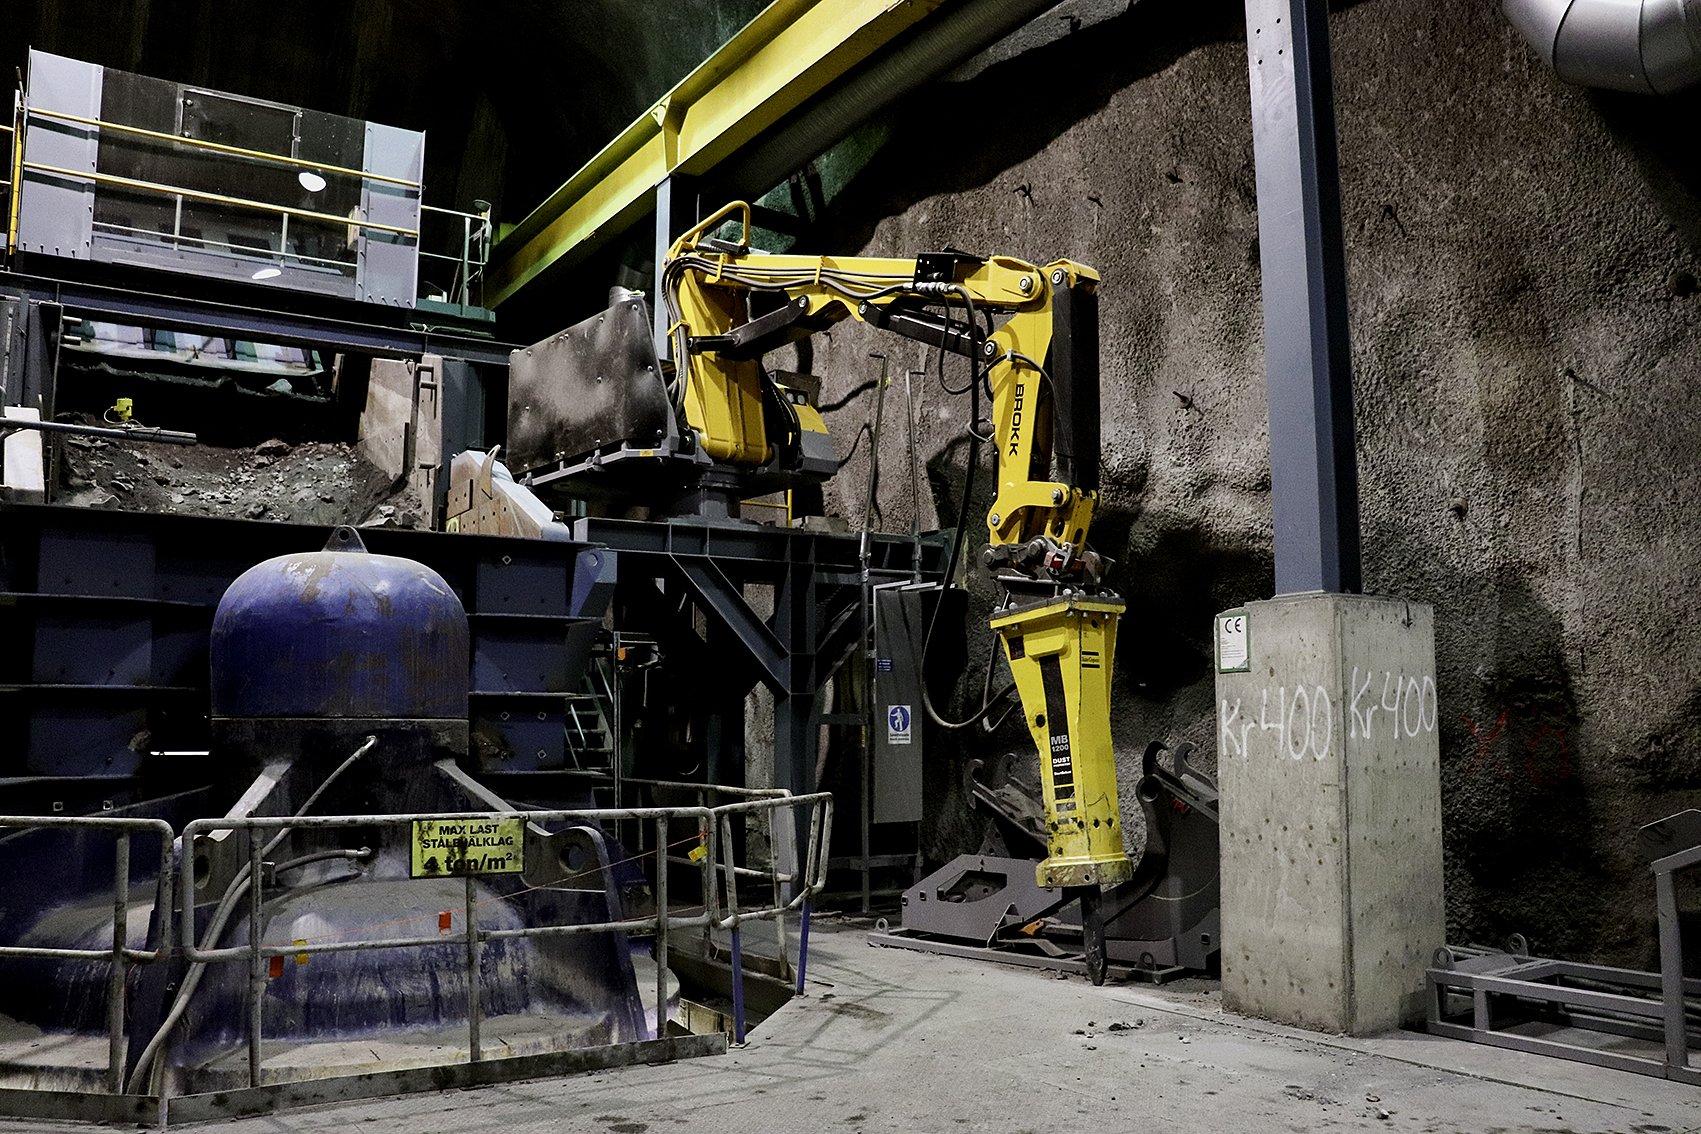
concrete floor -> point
(891, 1040)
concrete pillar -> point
(1329, 766)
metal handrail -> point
(714, 825)
(120, 952)
(240, 151)
(217, 198)
(470, 267)
(177, 238)
(257, 953)
(579, 728)
(200, 828)
(702, 790)
(812, 868)
(453, 212)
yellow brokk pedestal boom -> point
(592, 410)
(1056, 619)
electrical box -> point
(902, 613)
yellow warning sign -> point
(454, 847)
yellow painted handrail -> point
(219, 198)
(318, 167)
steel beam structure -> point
(781, 59)
(679, 207)
(1307, 354)
(109, 614)
(176, 312)
(816, 581)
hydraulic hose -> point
(975, 439)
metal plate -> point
(974, 896)
(592, 385)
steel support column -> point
(677, 211)
(795, 650)
(1308, 367)
(797, 621)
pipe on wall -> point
(1644, 46)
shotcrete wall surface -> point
(1527, 348)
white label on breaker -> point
(897, 724)
(1234, 647)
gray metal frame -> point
(1640, 1005)
(63, 128)
(287, 328)
(816, 580)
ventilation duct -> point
(1645, 46)
(947, 41)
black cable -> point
(989, 729)
(856, 439)
(950, 573)
(975, 440)
(942, 353)
(829, 407)
(986, 697)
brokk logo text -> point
(1016, 418)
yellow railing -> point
(218, 198)
(220, 147)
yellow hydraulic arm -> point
(1056, 621)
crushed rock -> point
(314, 482)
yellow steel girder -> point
(788, 54)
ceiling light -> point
(268, 273)
(311, 182)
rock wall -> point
(1527, 347)
(1526, 327)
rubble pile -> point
(315, 482)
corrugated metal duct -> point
(1645, 46)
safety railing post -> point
(466, 258)
(737, 988)
(780, 924)
(730, 872)
(802, 946)
(711, 888)
(474, 1007)
(256, 962)
(729, 868)
(115, 982)
(812, 874)
(1671, 972)
(663, 914)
